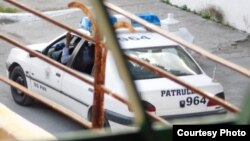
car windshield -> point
(172, 59)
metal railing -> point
(113, 46)
(66, 69)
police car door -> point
(45, 78)
(79, 94)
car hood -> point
(20, 52)
(38, 47)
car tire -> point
(19, 97)
(106, 122)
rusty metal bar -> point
(122, 24)
(85, 10)
(87, 37)
(48, 102)
(110, 43)
(163, 73)
(177, 39)
(159, 119)
(106, 29)
(97, 117)
(98, 99)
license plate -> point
(189, 101)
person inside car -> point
(65, 53)
(85, 58)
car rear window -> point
(172, 59)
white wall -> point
(236, 12)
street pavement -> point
(224, 41)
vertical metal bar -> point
(98, 99)
(99, 70)
(106, 29)
(244, 117)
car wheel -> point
(106, 122)
(19, 97)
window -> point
(54, 50)
(172, 59)
(84, 59)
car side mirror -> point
(31, 55)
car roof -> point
(143, 40)
(140, 39)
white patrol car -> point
(161, 96)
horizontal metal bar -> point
(39, 14)
(179, 40)
(48, 102)
(168, 75)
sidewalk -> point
(51, 8)
(42, 5)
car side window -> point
(84, 59)
(54, 51)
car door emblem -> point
(182, 103)
(47, 73)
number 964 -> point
(192, 101)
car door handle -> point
(91, 90)
(58, 74)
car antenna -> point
(214, 72)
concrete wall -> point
(236, 12)
(14, 127)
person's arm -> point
(68, 39)
(65, 54)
